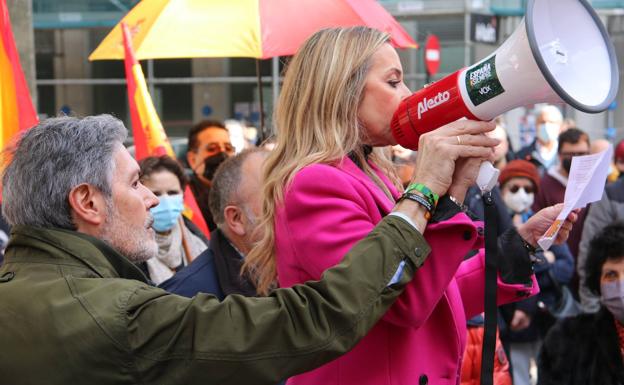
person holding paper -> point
(327, 184)
(572, 142)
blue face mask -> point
(548, 132)
(167, 212)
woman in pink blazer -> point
(327, 185)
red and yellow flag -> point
(17, 112)
(150, 138)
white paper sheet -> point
(586, 183)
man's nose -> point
(151, 200)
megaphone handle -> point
(487, 178)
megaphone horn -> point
(560, 52)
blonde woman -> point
(327, 184)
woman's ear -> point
(88, 207)
(234, 220)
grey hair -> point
(226, 182)
(53, 157)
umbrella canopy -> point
(239, 28)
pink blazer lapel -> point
(385, 205)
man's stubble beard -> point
(138, 245)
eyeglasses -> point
(527, 189)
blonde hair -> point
(316, 120)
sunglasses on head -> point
(527, 189)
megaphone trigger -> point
(487, 178)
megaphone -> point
(560, 52)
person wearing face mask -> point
(209, 145)
(600, 214)
(526, 324)
(235, 205)
(179, 240)
(543, 151)
(572, 142)
(589, 348)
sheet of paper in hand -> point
(586, 184)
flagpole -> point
(260, 101)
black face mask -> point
(566, 163)
(211, 164)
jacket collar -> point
(385, 204)
(228, 262)
(73, 248)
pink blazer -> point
(329, 208)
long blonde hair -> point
(316, 119)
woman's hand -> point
(537, 225)
(520, 320)
(439, 150)
(466, 171)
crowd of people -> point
(332, 258)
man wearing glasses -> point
(208, 146)
(572, 142)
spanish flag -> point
(17, 112)
(150, 138)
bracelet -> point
(462, 206)
(529, 247)
(421, 200)
(426, 192)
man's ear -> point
(190, 158)
(233, 216)
(88, 207)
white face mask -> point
(612, 297)
(548, 132)
(518, 202)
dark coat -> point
(582, 350)
(215, 271)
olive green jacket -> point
(72, 310)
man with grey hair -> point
(75, 309)
(235, 204)
(543, 151)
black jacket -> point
(582, 350)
